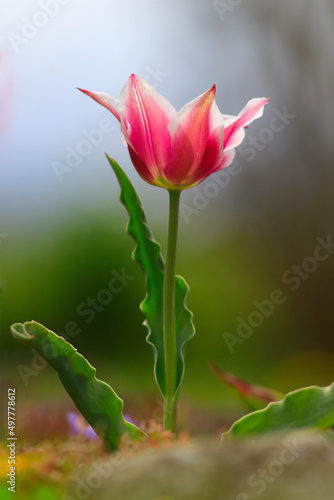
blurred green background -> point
(61, 235)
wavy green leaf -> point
(311, 407)
(96, 400)
(147, 255)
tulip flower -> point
(176, 150)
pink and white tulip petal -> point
(234, 129)
(176, 150)
(189, 132)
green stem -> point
(169, 312)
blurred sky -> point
(49, 47)
(271, 212)
(182, 47)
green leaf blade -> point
(96, 400)
(310, 407)
(147, 254)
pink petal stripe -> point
(227, 160)
(252, 111)
(212, 157)
(234, 139)
(176, 150)
(141, 168)
(145, 115)
(105, 100)
(189, 130)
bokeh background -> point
(62, 226)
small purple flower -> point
(129, 419)
(90, 434)
(79, 426)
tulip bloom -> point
(176, 150)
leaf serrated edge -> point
(155, 245)
(190, 316)
(21, 333)
(161, 266)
